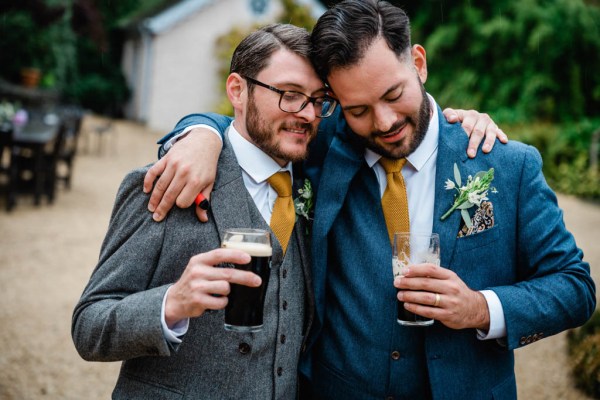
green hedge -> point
(566, 151)
(584, 349)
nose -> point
(308, 113)
(383, 118)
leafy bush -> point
(584, 349)
(566, 152)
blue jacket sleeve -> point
(217, 121)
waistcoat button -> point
(284, 305)
(282, 339)
(279, 371)
(395, 355)
(284, 273)
(244, 348)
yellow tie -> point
(394, 200)
(283, 217)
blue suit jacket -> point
(528, 259)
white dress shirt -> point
(257, 167)
(419, 177)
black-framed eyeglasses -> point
(293, 102)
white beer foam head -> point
(253, 249)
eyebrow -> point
(294, 87)
(387, 92)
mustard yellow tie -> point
(283, 217)
(395, 201)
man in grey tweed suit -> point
(149, 300)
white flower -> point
(473, 193)
(304, 202)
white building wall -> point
(183, 71)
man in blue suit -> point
(509, 276)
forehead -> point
(286, 68)
(379, 70)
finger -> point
(220, 256)
(200, 213)
(159, 188)
(502, 136)
(240, 277)
(424, 298)
(168, 187)
(477, 135)
(427, 270)
(452, 115)
(214, 302)
(154, 172)
(188, 193)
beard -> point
(420, 122)
(264, 135)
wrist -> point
(482, 319)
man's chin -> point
(389, 151)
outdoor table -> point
(36, 135)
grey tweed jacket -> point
(118, 315)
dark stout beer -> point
(244, 311)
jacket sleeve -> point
(217, 121)
(118, 315)
(555, 291)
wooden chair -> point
(71, 119)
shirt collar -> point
(426, 149)
(255, 162)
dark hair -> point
(344, 33)
(253, 54)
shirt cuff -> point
(497, 324)
(179, 329)
(169, 143)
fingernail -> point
(471, 153)
(156, 217)
(151, 208)
(486, 147)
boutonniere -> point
(471, 194)
(303, 203)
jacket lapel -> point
(341, 165)
(229, 209)
(452, 144)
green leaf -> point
(467, 204)
(467, 218)
(457, 176)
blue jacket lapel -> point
(452, 145)
(342, 163)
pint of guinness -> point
(244, 311)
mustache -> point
(304, 126)
(397, 125)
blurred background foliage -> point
(531, 64)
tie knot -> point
(282, 183)
(391, 165)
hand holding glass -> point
(244, 311)
(413, 248)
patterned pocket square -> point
(482, 220)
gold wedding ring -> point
(438, 298)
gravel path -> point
(47, 254)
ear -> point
(420, 61)
(237, 91)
